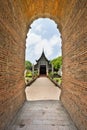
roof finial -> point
(43, 50)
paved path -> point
(41, 114)
(42, 89)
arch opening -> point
(43, 44)
(14, 19)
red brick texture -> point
(15, 18)
(74, 85)
(12, 46)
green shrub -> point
(50, 74)
(58, 80)
(35, 73)
(29, 74)
(54, 74)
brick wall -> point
(12, 46)
(74, 86)
(15, 17)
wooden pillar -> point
(33, 70)
(52, 69)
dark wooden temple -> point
(43, 65)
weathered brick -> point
(15, 19)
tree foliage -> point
(28, 65)
(57, 62)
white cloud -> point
(39, 28)
(32, 39)
(55, 40)
(35, 43)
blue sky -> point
(43, 35)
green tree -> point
(28, 65)
(57, 62)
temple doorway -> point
(42, 69)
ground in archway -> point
(42, 89)
(42, 115)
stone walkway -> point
(42, 89)
(42, 114)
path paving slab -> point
(42, 115)
(43, 109)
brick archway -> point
(15, 18)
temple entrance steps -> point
(42, 115)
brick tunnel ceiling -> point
(54, 9)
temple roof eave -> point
(43, 55)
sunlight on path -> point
(42, 89)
